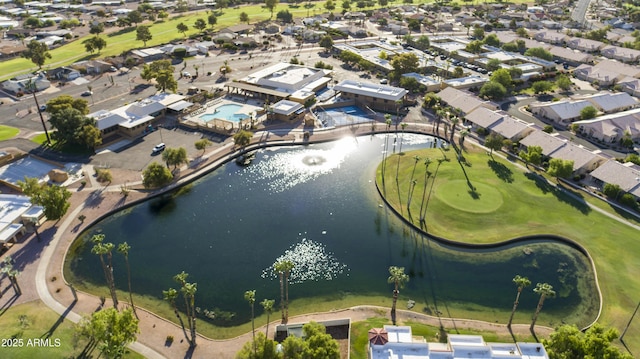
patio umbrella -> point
(378, 336)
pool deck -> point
(247, 108)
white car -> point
(158, 148)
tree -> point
(588, 113)
(285, 16)
(474, 46)
(250, 296)
(212, 20)
(564, 83)
(135, 17)
(319, 344)
(112, 330)
(493, 90)
(123, 248)
(9, 271)
(104, 249)
(162, 72)
(404, 63)
(65, 101)
(283, 268)
(244, 17)
(626, 141)
(162, 15)
(329, 5)
(522, 32)
(156, 175)
(270, 5)
(346, 5)
(201, 145)
(350, 57)
(398, 278)
(89, 136)
(478, 33)
(542, 87)
(182, 28)
(200, 24)
(266, 348)
(143, 33)
(54, 199)
(69, 123)
(503, 77)
(409, 83)
(175, 156)
(540, 53)
(383, 3)
(492, 40)
(430, 100)
(568, 341)
(97, 29)
(493, 64)
(267, 305)
(414, 25)
(493, 142)
(560, 168)
(533, 155)
(37, 52)
(327, 43)
(612, 191)
(510, 47)
(242, 138)
(521, 283)
(95, 43)
(188, 291)
(544, 290)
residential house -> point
(465, 101)
(612, 127)
(611, 102)
(375, 96)
(551, 37)
(626, 175)
(585, 45)
(63, 74)
(621, 53)
(147, 55)
(554, 146)
(571, 57)
(498, 122)
(630, 86)
(561, 112)
(23, 84)
(429, 83)
(239, 29)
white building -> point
(561, 112)
(395, 342)
(373, 95)
(15, 212)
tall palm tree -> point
(188, 293)
(103, 250)
(521, 283)
(283, 268)
(170, 296)
(427, 174)
(124, 248)
(463, 133)
(250, 296)
(385, 151)
(544, 290)
(454, 121)
(403, 126)
(267, 305)
(398, 278)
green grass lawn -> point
(28, 322)
(488, 200)
(8, 132)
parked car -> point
(384, 81)
(87, 93)
(158, 148)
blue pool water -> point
(227, 112)
(342, 116)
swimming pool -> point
(341, 116)
(226, 112)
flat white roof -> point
(9, 232)
(26, 167)
(371, 89)
(286, 107)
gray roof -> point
(627, 176)
(609, 102)
(465, 101)
(580, 156)
(547, 142)
(565, 109)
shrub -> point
(103, 175)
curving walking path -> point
(95, 201)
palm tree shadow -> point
(572, 198)
(60, 320)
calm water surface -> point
(320, 203)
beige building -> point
(375, 96)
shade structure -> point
(378, 336)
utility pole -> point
(32, 87)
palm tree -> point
(250, 296)
(104, 249)
(124, 248)
(388, 122)
(267, 304)
(188, 293)
(521, 283)
(440, 113)
(398, 278)
(170, 296)
(283, 268)
(464, 133)
(427, 174)
(544, 290)
(454, 121)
